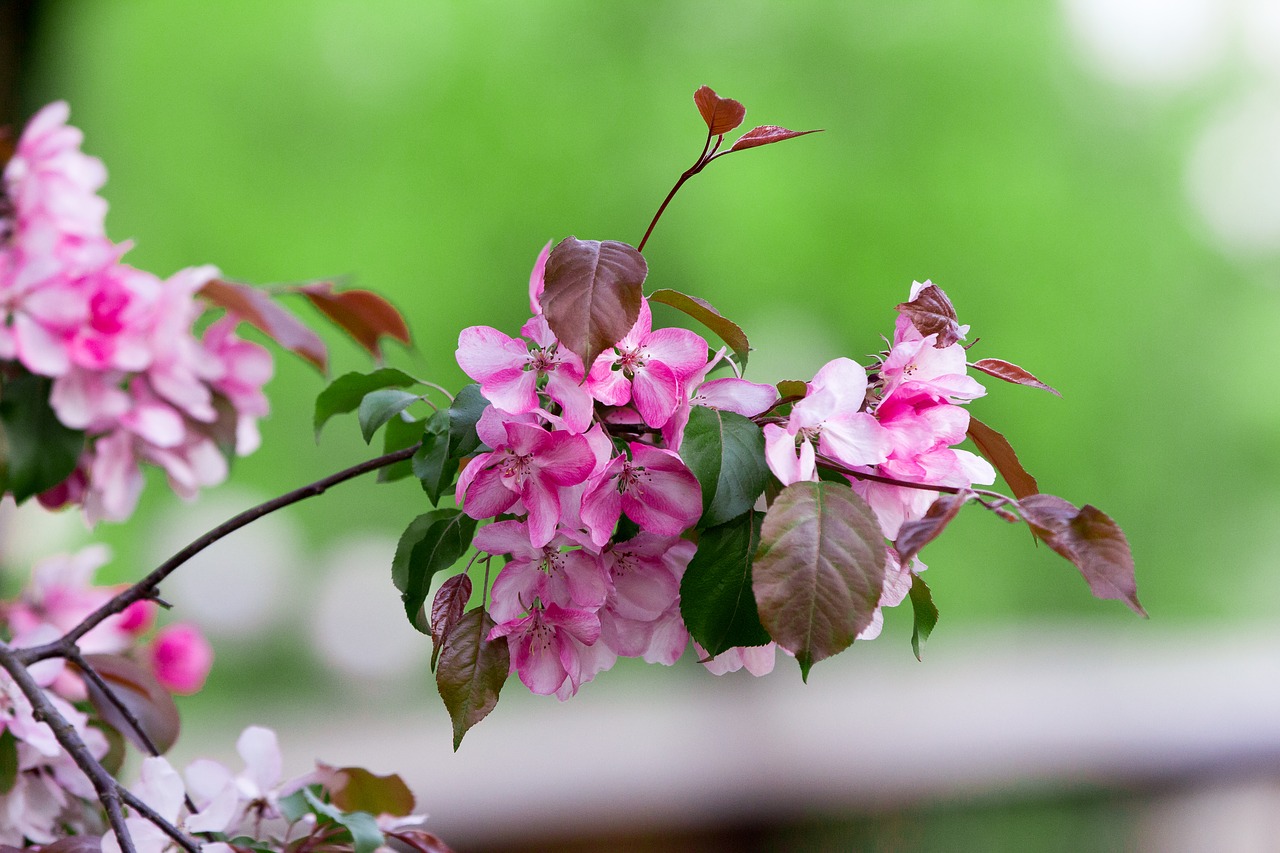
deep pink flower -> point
(922, 427)
(572, 579)
(532, 466)
(646, 368)
(653, 488)
(542, 651)
(181, 658)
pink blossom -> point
(922, 427)
(572, 579)
(509, 372)
(532, 466)
(758, 660)
(246, 367)
(646, 368)
(642, 615)
(653, 488)
(543, 653)
(728, 394)
(181, 658)
(916, 359)
(829, 420)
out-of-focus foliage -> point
(429, 150)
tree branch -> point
(148, 586)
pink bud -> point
(138, 617)
(181, 658)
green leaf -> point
(358, 790)
(8, 761)
(345, 393)
(432, 542)
(431, 463)
(926, 614)
(295, 806)
(471, 671)
(819, 570)
(380, 406)
(704, 312)
(39, 451)
(716, 598)
(365, 835)
(464, 413)
(725, 451)
(402, 431)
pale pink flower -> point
(728, 394)
(757, 660)
(532, 466)
(916, 359)
(828, 420)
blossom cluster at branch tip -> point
(581, 471)
(117, 343)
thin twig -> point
(123, 710)
(147, 587)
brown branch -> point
(148, 586)
(123, 710)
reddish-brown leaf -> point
(721, 114)
(704, 312)
(1000, 453)
(362, 314)
(1011, 373)
(914, 535)
(766, 134)
(592, 294)
(355, 789)
(447, 608)
(931, 312)
(8, 145)
(1091, 541)
(138, 691)
(472, 671)
(257, 308)
(818, 570)
(71, 844)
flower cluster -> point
(117, 343)
(47, 790)
(584, 469)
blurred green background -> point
(427, 150)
